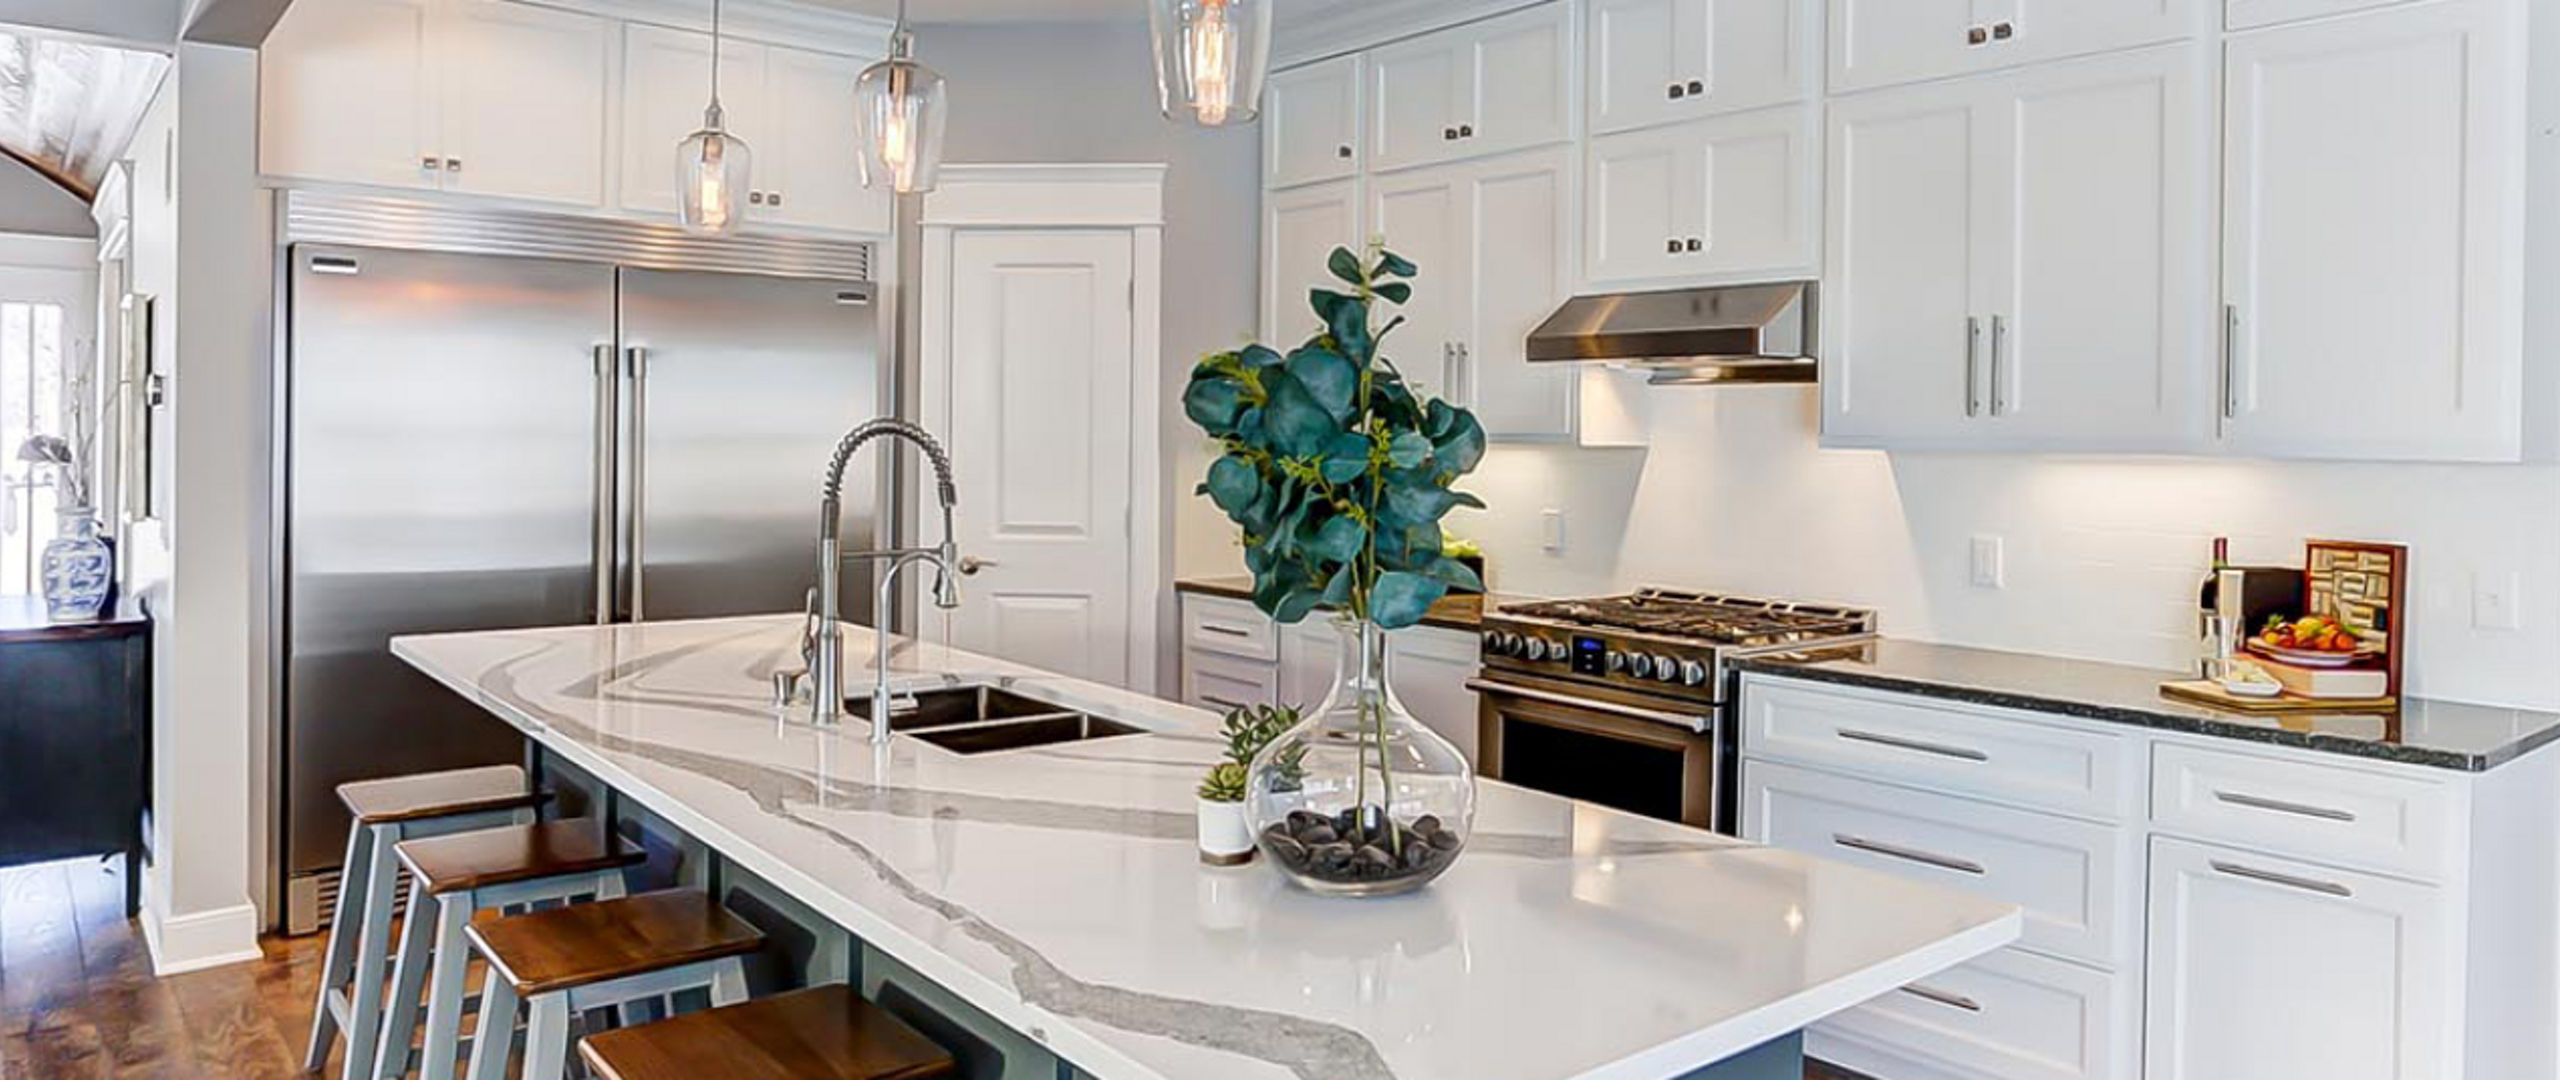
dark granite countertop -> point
(2440, 734)
(22, 618)
(1452, 612)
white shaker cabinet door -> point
(1882, 42)
(1300, 228)
(1417, 94)
(1519, 229)
(1422, 215)
(2266, 967)
(1639, 191)
(809, 172)
(1662, 61)
(1721, 199)
(524, 93)
(1430, 667)
(666, 82)
(345, 95)
(1516, 81)
(1903, 339)
(1311, 123)
(2373, 222)
(2096, 337)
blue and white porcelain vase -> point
(79, 569)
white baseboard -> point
(201, 939)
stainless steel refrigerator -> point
(476, 442)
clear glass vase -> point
(1361, 799)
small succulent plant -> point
(1247, 731)
(1225, 783)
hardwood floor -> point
(78, 1002)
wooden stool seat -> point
(823, 1033)
(567, 948)
(500, 856)
(438, 794)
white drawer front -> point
(1999, 753)
(2072, 877)
(2009, 1015)
(1212, 681)
(1227, 625)
(2326, 813)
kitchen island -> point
(1056, 889)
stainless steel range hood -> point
(1725, 334)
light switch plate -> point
(2493, 600)
(1551, 530)
(1989, 571)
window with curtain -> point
(32, 354)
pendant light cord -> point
(715, 53)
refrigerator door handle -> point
(608, 419)
(637, 357)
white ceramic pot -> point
(1225, 838)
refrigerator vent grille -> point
(386, 221)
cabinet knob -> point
(1674, 245)
(1693, 245)
(1976, 35)
(1343, 152)
(755, 198)
(2003, 31)
(1697, 87)
(1466, 131)
(429, 162)
(1450, 134)
(1678, 91)
(452, 164)
(773, 198)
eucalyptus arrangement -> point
(1337, 470)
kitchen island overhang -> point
(1056, 889)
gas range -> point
(1660, 641)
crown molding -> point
(790, 23)
(1100, 195)
(1367, 24)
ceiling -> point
(982, 11)
(68, 107)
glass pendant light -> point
(898, 112)
(712, 164)
(1210, 58)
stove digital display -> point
(1590, 656)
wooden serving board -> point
(2209, 692)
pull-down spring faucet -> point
(827, 662)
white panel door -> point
(809, 171)
(1662, 61)
(345, 94)
(1040, 374)
(1418, 92)
(2372, 234)
(2102, 255)
(1908, 201)
(1636, 208)
(2360, 964)
(1755, 205)
(1430, 667)
(1517, 85)
(1300, 229)
(524, 96)
(666, 81)
(1311, 123)
(1881, 42)
(1519, 255)
(1422, 215)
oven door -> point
(1658, 757)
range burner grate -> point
(1724, 620)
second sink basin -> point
(985, 719)
(958, 705)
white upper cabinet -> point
(811, 172)
(2244, 14)
(1662, 61)
(665, 85)
(1422, 215)
(1311, 123)
(1725, 198)
(1882, 42)
(2019, 260)
(1300, 228)
(524, 93)
(346, 94)
(2373, 222)
(1470, 91)
(1902, 339)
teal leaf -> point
(1338, 590)
(1395, 292)
(1338, 539)
(1461, 448)
(1213, 403)
(1300, 426)
(1346, 458)
(1408, 449)
(1419, 505)
(1400, 599)
(1330, 377)
(1344, 265)
(1391, 264)
(1456, 575)
(1295, 604)
(1258, 356)
(1234, 485)
(1349, 323)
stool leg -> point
(546, 1038)
(446, 985)
(408, 975)
(364, 998)
(342, 942)
(496, 1036)
(728, 982)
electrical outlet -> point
(1551, 530)
(2493, 600)
(1989, 571)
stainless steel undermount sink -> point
(985, 719)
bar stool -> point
(822, 1033)
(388, 811)
(454, 877)
(603, 955)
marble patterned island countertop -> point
(1058, 889)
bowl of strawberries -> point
(2312, 641)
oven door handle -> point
(1697, 725)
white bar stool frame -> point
(442, 970)
(546, 1040)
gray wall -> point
(29, 203)
(1085, 92)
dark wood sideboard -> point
(75, 738)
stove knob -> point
(1666, 669)
(1693, 673)
(1534, 649)
(1640, 665)
(1617, 661)
(1506, 643)
(1493, 642)
(1556, 651)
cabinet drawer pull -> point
(1999, 350)
(1942, 997)
(2230, 361)
(1940, 749)
(1220, 702)
(1897, 851)
(2328, 888)
(1224, 631)
(1972, 358)
(2280, 806)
